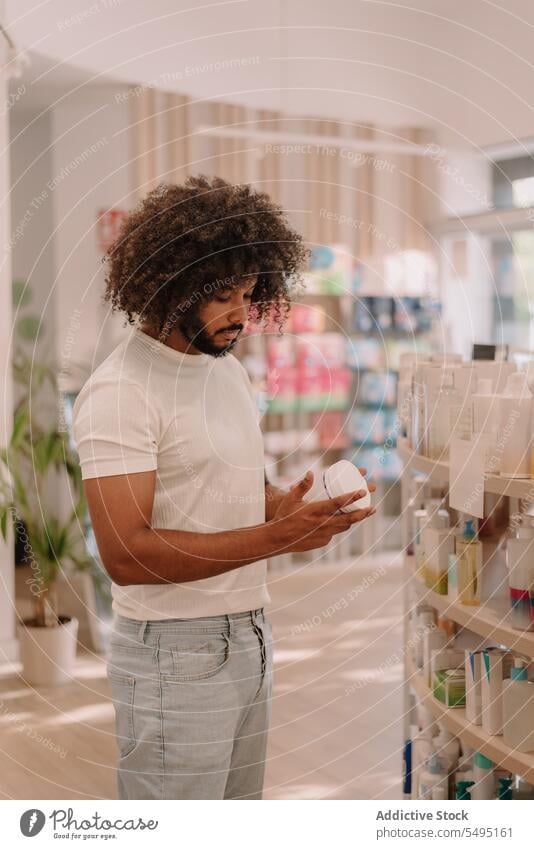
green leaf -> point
(3, 524)
(29, 328)
(20, 426)
(21, 293)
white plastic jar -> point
(340, 479)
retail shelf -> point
(365, 443)
(374, 369)
(438, 471)
(454, 719)
(374, 405)
(488, 620)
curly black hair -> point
(183, 241)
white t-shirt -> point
(194, 419)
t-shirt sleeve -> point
(115, 429)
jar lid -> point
(343, 477)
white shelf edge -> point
(454, 719)
(483, 620)
(439, 471)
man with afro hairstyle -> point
(171, 454)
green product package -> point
(449, 687)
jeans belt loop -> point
(142, 629)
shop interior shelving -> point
(455, 720)
(438, 471)
(490, 620)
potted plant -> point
(38, 455)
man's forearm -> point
(161, 556)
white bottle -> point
(484, 777)
(421, 751)
(518, 709)
(425, 622)
(439, 793)
(461, 414)
(436, 518)
(515, 427)
(420, 518)
(433, 640)
(433, 777)
(447, 746)
(486, 411)
(442, 401)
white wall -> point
(32, 216)
(8, 642)
(92, 126)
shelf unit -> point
(438, 471)
(489, 621)
(455, 720)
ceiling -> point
(464, 67)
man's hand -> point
(303, 526)
(273, 497)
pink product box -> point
(326, 349)
(305, 318)
(320, 380)
(282, 384)
(280, 353)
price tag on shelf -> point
(466, 477)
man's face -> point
(215, 325)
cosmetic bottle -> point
(469, 565)
(421, 751)
(522, 789)
(447, 746)
(486, 411)
(433, 640)
(496, 666)
(463, 789)
(435, 775)
(518, 708)
(407, 769)
(461, 414)
(504, 788)
(418, 425)
(464, 770)
(515, 427)
(424, 621)
(438, 543)
(407, 364)
(452, 574)
(419, 518)
(484, 787)
(520, 563)
(440, 410)
(473, 686)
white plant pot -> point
(48, 654)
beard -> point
(195, 333)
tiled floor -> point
(336, 727)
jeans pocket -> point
(123, 694)
(194, 657)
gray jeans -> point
(192, 701)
